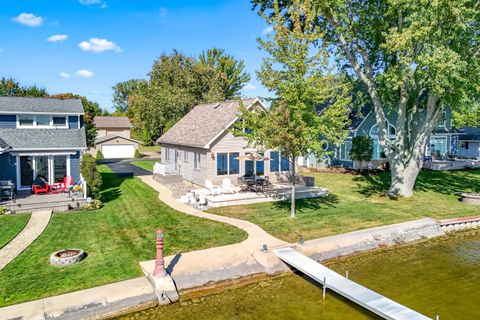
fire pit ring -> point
(471, 198)
(66, 257)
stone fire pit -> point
(66, 257)
(471, 198)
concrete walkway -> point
(34, 228)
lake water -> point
(439, 277)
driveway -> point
(123, 168)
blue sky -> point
(96, 43)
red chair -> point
(63, 186)
(40, 185)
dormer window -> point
(43, 121)
(25, 120)
(59, 121)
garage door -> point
(118, 151)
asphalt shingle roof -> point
(469, 133)
(110, 137)
(112, 122)
(3, 144)
(37, 139)
(198, 127)
(34, 105)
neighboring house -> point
(469, 143)
(202, 146)
(40, 137)
(442, 142)
(113, 138)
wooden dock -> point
(376, 303)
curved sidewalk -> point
(34, 228)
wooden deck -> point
(376, 303)
(27, 202)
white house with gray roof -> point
(40, 136)
(202, 146)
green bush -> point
(146, 137)
(3, 211)
(362, 149)
(93, 205)
(92, 177)
(137, 154)
(99, 155)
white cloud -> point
(82, 73)
(29, 19)
(64, 75)
(101, 3)
(57, 37)
(249, 86)
(98, 45)
(267, 30)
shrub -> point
(146, 137)
(362, 149)
(3, 211)
(137, 154)
(92, 177)
(93, 205)
(99, 155)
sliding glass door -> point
(53, 168)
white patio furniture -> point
(227, 186)
(213, 190)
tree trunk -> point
(292, 201)
(403, 176)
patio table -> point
(254, 183)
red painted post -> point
(159, 262)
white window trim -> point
(36, 126)
(344, 147)
(279, 163)
(228, 164)
(197, 161)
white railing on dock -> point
(369, 299)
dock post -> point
(437, 317)
(346, 274)
(324, 288)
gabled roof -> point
(112, 122)
(37, 139)
(204, 123)
(3, 144)
(111, 137)
(469, 133)
(20, 105)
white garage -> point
(118, 151)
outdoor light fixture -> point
(213, 156)
(264, 248)
(301, 241)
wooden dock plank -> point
(369, 299)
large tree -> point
(310, 104)
(122, 92)
(415, 57)
(232, 70)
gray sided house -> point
(442, 143)
(40, 137)
(202, 146)
(469, 143)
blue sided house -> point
(40, 136)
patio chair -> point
(7, 189)
(244, 187)
(40, 185)
(213, 190)
(227, 186)
(64, 186)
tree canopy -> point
(310, 103)
(10, 87)
(415, 57)
(176, 84)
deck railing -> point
(163, 168)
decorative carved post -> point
(159, 262)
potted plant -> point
(77, 190)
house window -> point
(185, 155)
(260, 166)
(167, 154)
(464, 145)
(59, 121)
(234, 164)
(196, 160)
(42, 121)
(443, 120)
(345, 150)
(25, 120)
(278, 163)
(274, 161)
(222, 164)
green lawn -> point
(115, 238)
(144, 164)
(10, 226)
(143, 149)
(357, 202)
